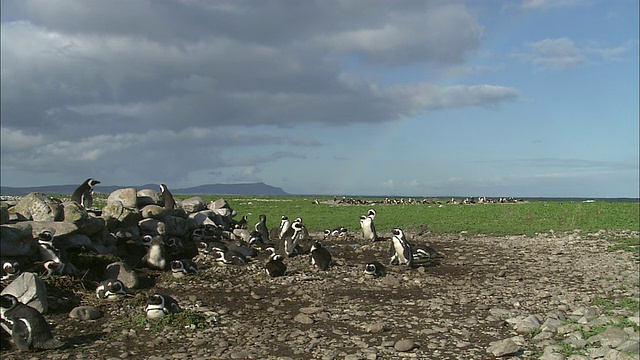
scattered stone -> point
(503, 347)
(85, 313)
(404, 345)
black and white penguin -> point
(375, 269)
(372, 214)
(10, 270)
(256, 240)
(368, 228)
(229, 257)
(183, 267)
(27, 327)
(275, 266)
(320, 256)
(400, 249)
(49, 253)
(261, 227)
(111, 289)
(291, 242)
(83, 195)
(285, 227)
(167, 198)
(156, 256)
(424, 252)
(160, 305)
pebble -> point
(404, 345)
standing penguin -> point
(84, 193)
(291, 241)
(400, 249)
(275, 267)
(167, 197)
(28, 328)
(159, 305)
(156, 256)
(368, 228)
(320, 256)
(261, 227)
(285, 226)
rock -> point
(91, 226)
(29, 289)
(147, 197)
(552, 356)
(127, 196)
(404, 345)
(193, 204)
(59, 228)
(125, 216)
(39, 207)
(74, 212)
(16, 240)
(303, 318)
(4, 215)
(123, 272)
(375, 327)
(175, 226)
(527, 325)
(153, 212)
(85, 313)
(611, 337)
(503, 347)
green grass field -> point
(491, 219)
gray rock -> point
(16, 240)
(4, 215)
(503, 347)
(375, 327)
(39, 207)
(91, 226)
(193, 204)
(175, 226)
(29, 289)
(123, 272)
(153, 212)
(404, 345)
(85, 313)
(74, 212)
(127, 196)
(147, 197)
(552, 356)
(527, 325)
(303, 318)
(125, 216)
(611, 337)
(59, 228)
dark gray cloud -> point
(108, 79)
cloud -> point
(547, 4)
(554, 54)
(564, 163)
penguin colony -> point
(225, 243)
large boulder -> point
(74, 212)
(153, 212)
(148, 197)
(16, 240)
(91, 226)
(175, 226)
(123, 272)
(39, 207)
(193, 204)
(29, 289)
(201, 218)
(59, 228)
(127, 196)
(4, 215)
(123, 215)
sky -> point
(523, 98)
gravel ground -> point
(515, 297)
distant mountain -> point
(210, 189)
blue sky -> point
(410, 98)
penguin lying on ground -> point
(159, 305)
(27, 327)
(183, 267)
(111, 289)
(375, 269)
(275, 267)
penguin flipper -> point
(50, 344)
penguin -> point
(167, 198)
(10, 270)
(183, 267)
(261, 227)
(375, 269)
(229, 257)
(28, 328)
(372, 214)
(156, 256)
(368, 228)
(49, 253)
(343, 232)
(400, 249)
(291, 246)
(326, 234)
(242, 224)
(159, 305)
(256, 240)
(320, 256)
(275, 267)
(285, 227)
(111, 289)
(424, 252)
(83, 195)
(53, 267)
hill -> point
(210, 189)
